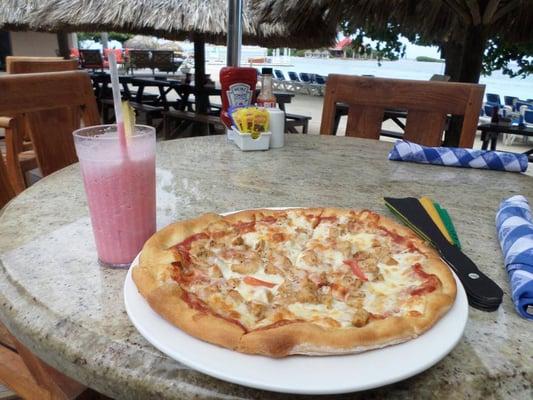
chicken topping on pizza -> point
(335, 271)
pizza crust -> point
(153, 280)
(167, 301)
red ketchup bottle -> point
(237, 89)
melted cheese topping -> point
(361, 241)
(338, 311)
(324, 273)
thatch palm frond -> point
(170, 19)
(439, 20)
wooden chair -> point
(20, 156)
(6, 190)
(91, 59)
(50, 106)
(28, 376)
(29, 98)
(163, 60)
(427, 105)
(139, 59)
(29, 65)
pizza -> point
(313, 281)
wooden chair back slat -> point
(91, 59)
(425, 127)
(6, 190)
(364, 122)
(427, 104)
(52, 106)
(14, 147)
(29, 65)
(140, 59)
(51, 135)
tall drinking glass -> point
(120, 187)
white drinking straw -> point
(115, 87)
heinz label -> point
(239, 94)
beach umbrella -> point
(169, 45)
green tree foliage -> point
(120, 37)
(387, 46)
(514, 59)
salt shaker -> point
(277, 127)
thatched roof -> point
(141, 42)
(170, 19)
(169, 45)
(434, 20)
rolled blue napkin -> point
(515, 231)
(458, 157)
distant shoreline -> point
(398, 69)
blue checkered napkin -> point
(458, 157)
(515, 231)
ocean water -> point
(405, 69)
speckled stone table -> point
(57, 300)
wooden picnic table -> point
(184, 90)
(165, 86)
(67, 309)
(491, 131)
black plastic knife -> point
(483, 293)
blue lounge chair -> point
(528, 116)
(293, 76)
(297, 84)
(309, 79)
(509, 100)
(520, 103)
(278, 74)
(279, 81)
(305, 77)
(494, 98)
(320, 79)
(488, 108)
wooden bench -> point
(391, 134)
(294, 120)
(149, 112)
(187, 118)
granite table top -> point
(60, 303)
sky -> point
(413, 51)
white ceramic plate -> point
(301, 374)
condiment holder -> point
(246, 142)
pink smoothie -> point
(121, 197)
